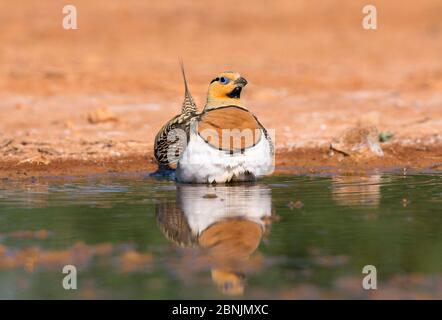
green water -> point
(284, 237)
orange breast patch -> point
(230, 129)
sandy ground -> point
(77, 102)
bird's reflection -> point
(226, 222)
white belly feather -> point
(202, 163)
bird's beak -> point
(240, 82)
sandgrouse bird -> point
(223, 143)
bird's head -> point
(225, 90)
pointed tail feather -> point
(189, 105)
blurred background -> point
(134, 46)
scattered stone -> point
(69, 124)
(295, 205)
(6, 143)
(101, 115)
(39, 159)
(109, 144)
(405, 202)
(48, 151)
(359, 141)
(54, 74)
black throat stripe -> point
(235, 93)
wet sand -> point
(86, 101)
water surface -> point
(284, 237)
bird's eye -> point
(224, 80)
